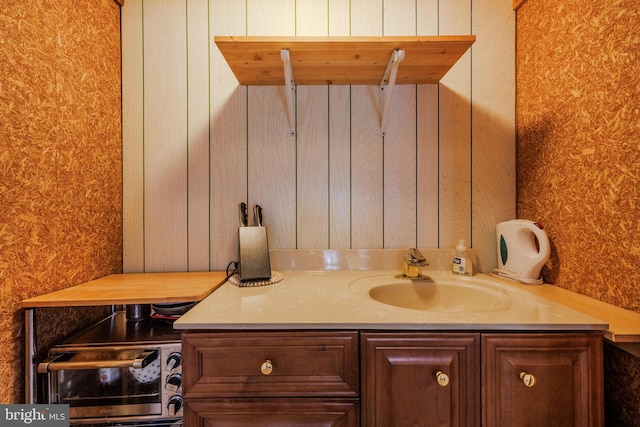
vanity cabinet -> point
(542, 379)
(271, 378)
(386, 378)
(420, 379)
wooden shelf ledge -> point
(133, 288)
(341, 60)
(624, 325)
(290, 61)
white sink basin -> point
(441, 295)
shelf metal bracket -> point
(387, 84)
(290, 90)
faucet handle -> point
(415, 257)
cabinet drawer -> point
(303, 364)
(273, 412)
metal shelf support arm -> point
(290, 90)
(387, 83)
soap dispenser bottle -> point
(462, 263)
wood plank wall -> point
(196, 144)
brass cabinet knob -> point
(529, 380)
(267, 367)
(442, 378)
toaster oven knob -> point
(174, 381)
(174, 360)
(174, 405)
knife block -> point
(254, 253)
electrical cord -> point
(503, 273)
(235, 264)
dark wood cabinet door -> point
(272, 413)
(542, 379)
(420, 379)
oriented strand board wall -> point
(60, 162)
(196, 143)
(578, 104)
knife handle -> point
(257, 215)
(242, 213)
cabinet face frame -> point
(394, 365)
(568, 372)
(372, 377)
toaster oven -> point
(118, 373)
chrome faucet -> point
(415, 257)
(413, 263)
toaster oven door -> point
(105, 382)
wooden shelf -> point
(341, 60)
(133, 288)
(382, 61)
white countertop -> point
(340, 300)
